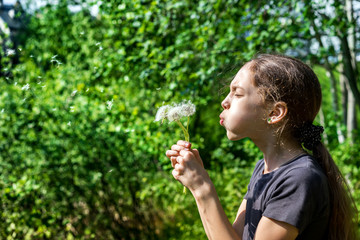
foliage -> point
(81, 157)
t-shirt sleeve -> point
(295, 199)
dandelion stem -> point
(186, 134)
(187, 127)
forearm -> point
(216, 223)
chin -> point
(233, 137)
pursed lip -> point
(221, 120)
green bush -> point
(81, 156)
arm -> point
(270, 229)
(189, 170)
(212, 214)
(239, 222)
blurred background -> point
(80, 83)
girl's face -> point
(244, 113)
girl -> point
(292, 194)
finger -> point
(197, 156)
(176, 174)
(186, 154)
(180, 160)
(184, 144)
(173, 161)
(180, 168)
(178, 148)
(172, 153)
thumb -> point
(197, 156)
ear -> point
(278, 113)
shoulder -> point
(303, 179)
(304, 170)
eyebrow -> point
(234, 87)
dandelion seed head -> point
(161, 114)
(26, 87)
(187, 109)
(174, 113)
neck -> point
(277, 154)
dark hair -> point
(286, 79)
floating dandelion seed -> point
(15, 83)
(2, 110)
(73, 93)
(10, 52)
(39, 82)
(69, 123)
(26, 87)
(109, 104)
(158, 89)
(31, 56)
(53, 59)
(82, 33)
(20, 49)
(110, 170)
(98, 43)
(71, 108)
(87, 90)
(44, 86)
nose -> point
(225, 103)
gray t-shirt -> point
(296, 193)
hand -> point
(188, 166)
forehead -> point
(242, 78)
